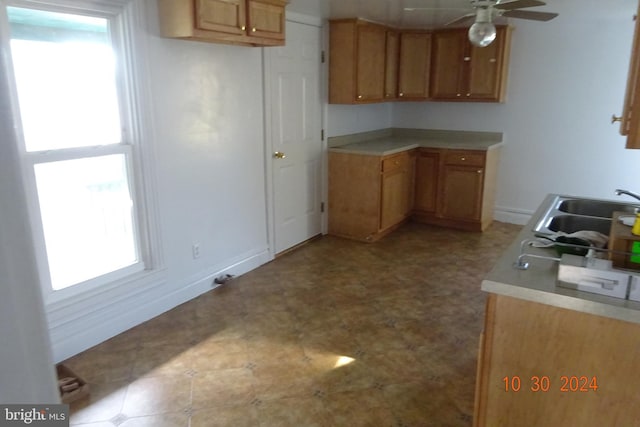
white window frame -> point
(125, 20)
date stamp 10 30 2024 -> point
(545, 384)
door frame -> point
(268, 129)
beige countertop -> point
(538, 282)
(392, 141)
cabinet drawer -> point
(461, 157)
(393, 163)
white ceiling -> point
(392, 12)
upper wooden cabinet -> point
(463, 72)
(356, 62)
(415, 64)
(630, 119)
(372, 63)
(242, 22)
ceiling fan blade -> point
(525, 14)
(411, 9)
(519, 4)
(461, 19)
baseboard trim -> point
(74, 337)
(512, 215)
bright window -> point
(74, 117)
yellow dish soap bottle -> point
(636, 225)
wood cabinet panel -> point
(266, 20)
(527, 339)
(427, 177)
(464, 158)
(227, 16)
(391, 65)
(462, 192)
(630, 119)
(354, 195)
(449, 54)
(485, 72)
(370, 67)
(414, 65)
(395, 188)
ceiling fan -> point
(483, 32)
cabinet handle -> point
(615, 118)
(457, 94)
(467, 58)
(253, 29)
(479, 171)
(244, 27)
(463, 158)
(468, 94)
(401, 94)
(359, 96)
(492, 60)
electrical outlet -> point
(195, 250)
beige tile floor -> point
(336, 333)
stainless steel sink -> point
(597, 208)
(573, 223)
(570, 214)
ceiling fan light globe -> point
(482, 34)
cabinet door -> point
(391, 65)
(426, 181)
(370, 64)
(226, 16)
(415, 64)
(397, 180)
(394, 198)
(266, 19)
(485, 69)
(462, 192)
(410, 184)
(449, 58)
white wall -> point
(567, 77)
(348, 119)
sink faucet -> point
(628, 193)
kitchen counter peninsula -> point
(549, 355)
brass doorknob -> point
(614, 119)
(279, 155)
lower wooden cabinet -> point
(456, 188)
(369, 196)
(541, 365)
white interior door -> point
(296, 122)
